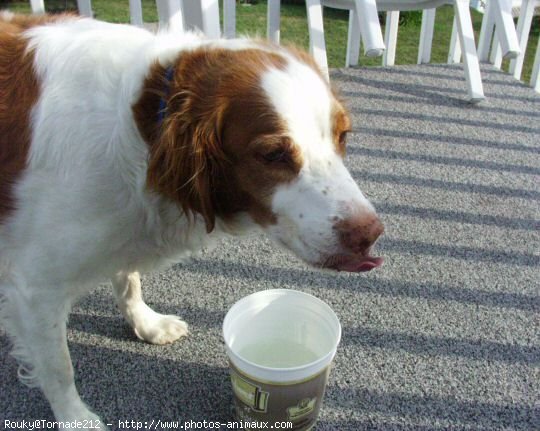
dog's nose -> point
(359, 233)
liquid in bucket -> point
(278, 353)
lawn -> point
(251, 20)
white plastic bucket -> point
(262, 332)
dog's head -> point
(258, 131)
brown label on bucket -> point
(296, 402)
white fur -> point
(324, 191)
(84, 214)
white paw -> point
(158, 328)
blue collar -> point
(162, 112)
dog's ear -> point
(186, 161)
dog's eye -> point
(342, 142)
(343, 137)
(276, 156)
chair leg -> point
(353, 40)
(317, 46)
(273, 24)
(523, 27)
(370, 27)
(85, 8)
(38, 6)
(229, 18)
(390, 37)
(535, 76)
(454, 52)
(486, 32)
(496, 55)
(426, 36)
(470, 57)
(505, 28)
(170, 14)
(135, 12)
(210, 18)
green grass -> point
(251, 20)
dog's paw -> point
(158, 328)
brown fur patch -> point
(211, 154)
(341, 125)
(19, 91)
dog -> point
(123, 151)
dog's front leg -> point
(148, 325)
(36, 321)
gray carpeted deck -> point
(445, 336)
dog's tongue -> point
(359, 264)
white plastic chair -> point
(371, 33)
(489, 37)
(498, 24)
(528, 9)
(464, 30)
(525, 9)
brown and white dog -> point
(122, 151)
